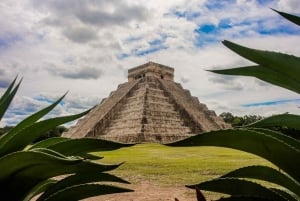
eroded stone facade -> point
(151, 69)
(150, 107)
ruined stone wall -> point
(150, 107)
(101, 115)
(204, 119)
(151, 70)
(148, 115)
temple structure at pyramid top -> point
(151, 69)
(150, 107)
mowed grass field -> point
(176, 166)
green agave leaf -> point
(281, 154)
(27, 122)
(39, 188)
(8, 91)
(288, 65)
(286, 139)
(28, 163)
(56, 169)
(293, 18)
(55, 140)
(288, 120)
(266, 74)
(17, 161)
(47, 142)
(79, 192)
(28, 175)
(266, 174)
(243, 198)
(21, 139)
(49, 151)
(52, 141)
(284, 194)
(237, 187)
(35, 167)
(79, 179)
(90, 156)
(85, 145)
(8, 96)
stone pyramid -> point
(150, 107)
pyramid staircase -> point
(147, 108)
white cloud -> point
(86, 47)
(80, 34)
(289, 5)
(82, 73)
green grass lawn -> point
(174, 166)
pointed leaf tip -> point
(292, 18)
(200, 196)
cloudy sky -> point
(86, 48)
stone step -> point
(156, 92)
(137, 104)
(134, 101)
(173, 120)
(121, 127)
(167, 121)
(198, 111)
(126, 111)
(166, 138)
(151, 84)
(101, 112)
(159, 105)
(139, 91)
(159, 113)
(126, 126)
(150, 97)
(121, 131)
(127, 121)
(153, 109)
(128, 116)
(155, 98)
(150, 91)
(153, 128)
(135, 98)
(124, 138)
(149, 137)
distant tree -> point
(239, 120)
(236, 121)
(55, 132)
(248, 119)
(227, 117)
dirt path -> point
(150, 192)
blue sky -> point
(273, 102)
(86, 48)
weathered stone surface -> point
(150, 107)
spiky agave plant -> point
(54, 169)
(284, 152)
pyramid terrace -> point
(150, 107)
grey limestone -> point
(150, 107)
